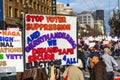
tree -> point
(115, 26)
(19, 21)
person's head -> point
(79, 47)
(106, 50)
(94, 59)
(91, 64)
(94, 50)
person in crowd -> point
(112, 48)
(57, 71)
(117, 48)
(32, 74)
(86, 53)
(110, 62)
(80, 55)
(97, 68)
(97, 45)
(73, 72)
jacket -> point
(98, 72)
(74, 73)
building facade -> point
(114, 22)
(94, 21)
(14, 9)
(60, 7)
(85, 18)
(99, 25)
(99, 14)
(64, 10)
(99, 21)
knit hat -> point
(94, 54)
(78, 64)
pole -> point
(118, 4)
(118, 9)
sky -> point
(92, 5)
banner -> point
(11, 57)
(50, 40)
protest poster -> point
(11, 57)
(105, 42)
(91, 44)
(50, 40)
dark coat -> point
(80, 55)
(32, 74)
(99, 72)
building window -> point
(16, 13)
(80, 17)
(10, 11)
(38, 6)
(34, 5)
(84, 16)
(89, 17)
(21, 1)
(85, 22)
(84, 19)
(30, 2)
(88, 22)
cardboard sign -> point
(11, 57)
(50, 40)
(117, 78)
(91, 44)
(105, 42)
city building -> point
(114, 22)
(99, 14)
(99, 25)
(64, 10)
(85, 21)
(85, 18)
(14, 9)
(60, 8)
(94, 21)
(99, 21)
(68, 10)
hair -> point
(79, 46)
(106, 50)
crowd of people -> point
(98, 60)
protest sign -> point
(11, 57)
(50, 40)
